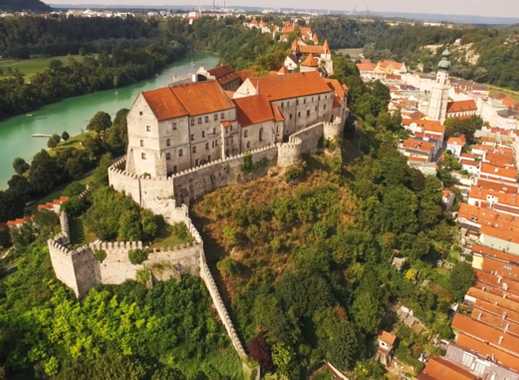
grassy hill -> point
(24, 5)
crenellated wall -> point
(309, 137)
(193, 183)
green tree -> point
(100, 122)
(65, 136)
(461, 279)
(53, 141)
(20, 166)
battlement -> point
(116, 245)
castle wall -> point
(85, 270)
(309, 137)
(192, 184)
(61, 259)
(124, 181)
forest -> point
(497, 48)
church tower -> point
(440, 91)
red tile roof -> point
(438, 368)
(279, 87)
(457, 140)
(254, 110)
(366, 65)
(461, 106)
(387, 337)
(485, 350)
(224, 74)
(497, 339)
(187, 99)
(309, 61)
(418, 145)
(490, 169)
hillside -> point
(24, 5)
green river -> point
(72, 114)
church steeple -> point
(440, 91)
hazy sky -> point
(491, 8)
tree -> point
(367, 311)
(53, 141)
(137, 256)
(44, 174)
(461, 279)
(259, 350)
(20, 187)
(65, 136)
(20, 166)
(100, 122)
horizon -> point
(457, 8)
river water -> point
(72, 114)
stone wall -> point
(309, 137)
(192, 184)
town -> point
(202, 171)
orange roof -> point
(418, 145)
(309, 61)
(282, 71)
(187, 99)
(366, 65)
(431, 126)
(506, 172)
(224, 74)
(341, 90)
(502, 302)
(501, 232)
(254, 110)
(279, 87)
(388, 64)
(387, 337)
(461, 106)
(508, 188)
(485, 350)
(457, 140)
(498, 339)
(503, 198)
(313, 49)
(18, 221)
(494, 253)
(438, 368)
(488, 216)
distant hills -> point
(24, 5)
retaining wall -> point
(191, 184)
(309, 137)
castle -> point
(185, 141)
(310, 57)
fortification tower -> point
(440, 90)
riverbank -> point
(73, 114)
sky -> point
(487, 8)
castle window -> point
(174, 126)
(260, 137)
(140, 113)
(209, 158)
(174, 168)
(168, 156)
(215, 117)
(168, 142)
(199, 120)
(245, 133)
(290, 116)
(315, 108)
(196, 162)
(203, 134)
(206, 146)
(299, 114)
(214, 131)
(297, 102)
(192, 122)
(148, 128)
(222, 116)
(206, 119)
(143, 155)
(319, 97)
(307, 113)
(194, 149)
(304, 101)
(324, 107)
(141, 143)
(248, 144)
(180, 152)
(192, 137)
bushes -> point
(116, 216)
(294, 173)
(137, 256)
(100, 255)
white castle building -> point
(175, 128)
